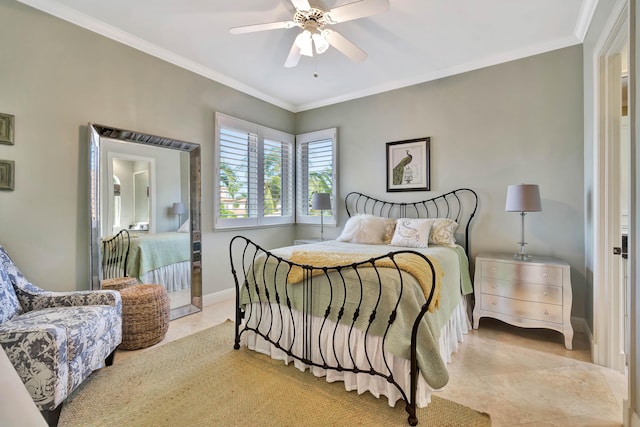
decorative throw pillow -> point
(443, 232)
(412, 232)
(364, 228)
(9, 305)
(389, 229)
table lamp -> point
(179, 209)
(523, 198)
(321, 202)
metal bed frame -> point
(115, 255)
(275, 302)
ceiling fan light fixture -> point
(313, 22)
(303, 40)
(321, 43)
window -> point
(316, 173)
(255, 166)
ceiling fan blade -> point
(355, 10)
(301, 4)
(294, 56)
(345, 46)
(262, 27)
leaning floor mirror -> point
(145, 213)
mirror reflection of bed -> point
(162, 258)
(147, 189)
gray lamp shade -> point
(523, 198)
(178, 209)
(321, 201)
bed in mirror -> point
(150, 187)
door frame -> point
(607, 345)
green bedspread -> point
(151, 251)
(456, 281)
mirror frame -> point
(96, 132)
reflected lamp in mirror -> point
(523, 198)
(321, 202)
(179, 209)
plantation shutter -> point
(316, 173)
(254, 168)
(278, 177)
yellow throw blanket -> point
(410, 263)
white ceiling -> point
(412, 42)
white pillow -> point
(412, 232)
(364, 228)
(184, 228)
(442, 231)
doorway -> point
(610, 320)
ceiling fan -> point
(314, 22)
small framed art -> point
(408, 165)
(6, 128)
(6, 175)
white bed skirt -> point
(452, 334)
(173, 277)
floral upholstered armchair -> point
(55, 339)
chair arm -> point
(39, 356)
(70, 299)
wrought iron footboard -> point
(261, 277)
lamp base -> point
(522, 255)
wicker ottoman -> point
(145, 316)
(118, 283)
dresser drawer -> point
(540, 274)
(529, 310)
(523, 291)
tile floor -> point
(519, 376)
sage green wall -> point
(516, 122)
(55, 78)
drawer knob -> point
(546, 312)
(546, 294)
(493, 269)
(545, 275)
(493, 287)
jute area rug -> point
(200, 380)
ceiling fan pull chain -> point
(315, 66)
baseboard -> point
(219, 297)
(631, 418)
(579, 324)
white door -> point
(610, 334)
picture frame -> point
(7, 122)
(6, 175)
(408, 165)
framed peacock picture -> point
(408, 165)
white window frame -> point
(302, 217)
(262, 132)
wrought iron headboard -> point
(459, 205)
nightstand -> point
(528, 294)
(305, 241)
